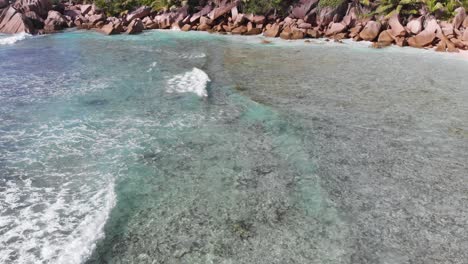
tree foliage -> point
(444, 8)
(282, 7)
(330, 3)
(266, 6)
(403, 7)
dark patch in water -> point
(262, 170)
(240, 88)
(243, 229)
(151, 157)
(456, 131)
(97, 102)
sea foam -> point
(194, 81)
(12, 39)
(91, 229)
(58, 222)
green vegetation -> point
(444, 8)
(118, 7)
(330, 3)
(403, 7)
(266, 6)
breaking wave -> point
(54, 202)
(12, 39)
(194, 81)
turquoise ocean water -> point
(171, 147)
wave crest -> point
(194, 81)
(12, 39)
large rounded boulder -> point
(302, 8)
(40, 7)
(370, 31)
(331, 11)
(12, 22)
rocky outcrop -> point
(272, 31)
(85, 9)
(292, 33)
(173, 19)
(40, 7)
(397, 29)
(253, 31)
(135, 26)
(459, 17)
(256, 19)
(447, 29)
(465, 36)
(163, 21)
(385, 38)
(414, 26)
(306, 19)
(36, 20)
(313, 33)
(351, 17)
(223, 9)
(186, 27)
(239, 30)
(354, 31)
(140, 13)
(23, 16)
(54, 22)
(370, 31)
(12, 22)
(203, 12)
(302, 8)
(425, 37)
(112, 28)
(335, 28)
(73, 14)
(204, 27)
(442, 46)
(94, 19)
(3, 3)
(327, 14)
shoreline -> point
(462, 54)
(305, 21)
(288, 131)
(260, 39)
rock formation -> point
(305, 19)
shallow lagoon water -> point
(171, 147)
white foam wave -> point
(54, 230)
(192, 55)
(59, 223)
(12, 39)
(83, 239)
(150, 69)
(194, 81)
(55, 199)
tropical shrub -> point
(412, 7)
(116, 7)
(402, 7)
(330, 3)
(265, 6)
(282, 7)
